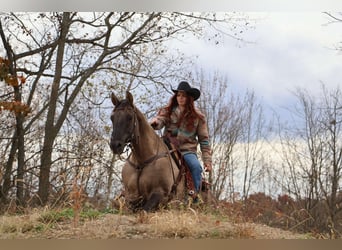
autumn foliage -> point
(17, 107)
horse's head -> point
(124, 122)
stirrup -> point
(197, 199)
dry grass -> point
(166, 224)
(21, 225)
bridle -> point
(134, 134)
(134, 139)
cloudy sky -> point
(287, 50)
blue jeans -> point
(195, 169)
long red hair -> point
(189, 115)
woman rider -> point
(181, 119)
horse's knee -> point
(153, 202)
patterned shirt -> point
(188, 139)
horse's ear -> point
(115, 100)
(129, 97)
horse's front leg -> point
(153, 202)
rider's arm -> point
(160, 120)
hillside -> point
(166, 224)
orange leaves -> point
(77, 197)
(4, 69)
(6, 76)
(16, 107)
(11, 80)
(4, 62)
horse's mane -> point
(141, 117)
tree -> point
(8, 74)
(313, 149)
(335, 18)
(223, 125)
(232, 119)
(253, 135)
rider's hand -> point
(154, 123)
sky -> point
(284, 51)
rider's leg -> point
(195, 168)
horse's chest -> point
(144, 181)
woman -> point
(185, 122)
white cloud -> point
(291, 49)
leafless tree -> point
(313, 157)
(232, 119)
(335, 18)
(224, 122)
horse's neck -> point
(147, 141)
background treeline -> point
(57, 71)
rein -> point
(148, 161)
(135, 139)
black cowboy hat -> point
(185, 86)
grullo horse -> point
(151, 177)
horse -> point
(150, 175)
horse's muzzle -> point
(117, 146)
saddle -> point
(173, 145)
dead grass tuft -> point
(12, 226)
(175, 224)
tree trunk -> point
(8, 170)
(21, 154)
(50, 129)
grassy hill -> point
(186, 223)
